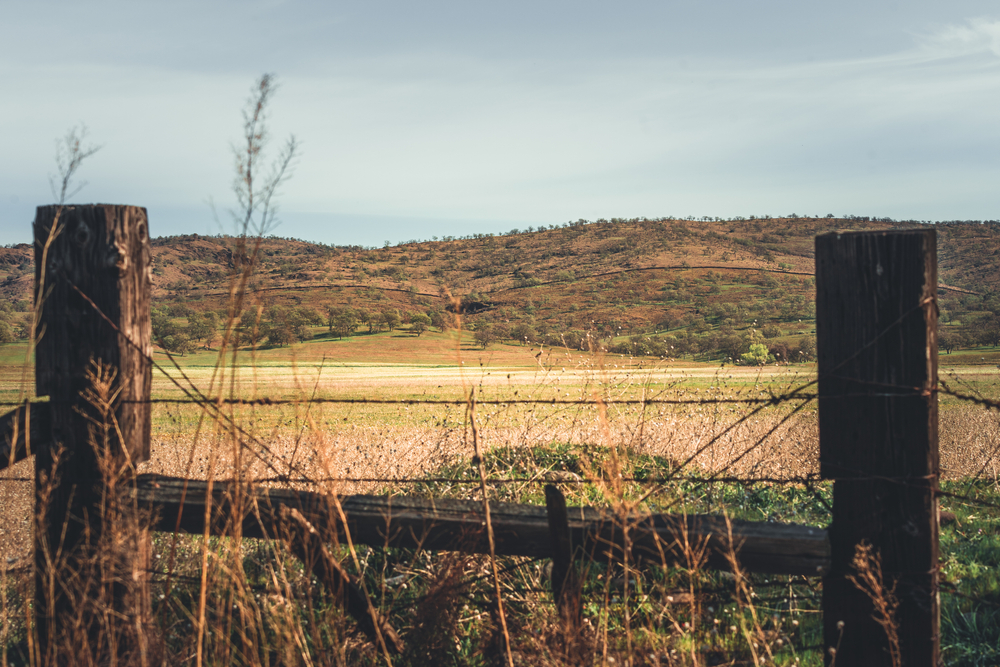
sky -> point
(451, 118)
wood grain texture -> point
(22, 430)
(565, 580)
(93, 286)
(458, 525)
(876, 314)
(103, 252)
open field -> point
(337, 419)
(348, 423)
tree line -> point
(277, 326)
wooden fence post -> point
(92, 284)
(565, 580)
(876, 325)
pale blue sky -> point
(437, 118)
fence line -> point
(776, 399)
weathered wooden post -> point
(92, 284)
(876, 316)
(565, 580)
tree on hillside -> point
(485, 335)
(390, 318)
(203, 327)
(285, 326)
(344, 324)
(731, 344)
(779, 351)
(805, 350)
(162, 324)
(439, 319)
(364, 317)
(251, 328)
(179, 343)
(280, 335)
(989, 333)
(308, 316)
(500, 331)
(523, 333)
(670, 319)
(6, 332)
(947, 340)
(168, 335)
(332, 311)
(419, 323)
(757, 355)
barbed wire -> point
(536, 479)
(266, 401)
(773, 399)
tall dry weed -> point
(867, 564)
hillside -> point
(707, 288)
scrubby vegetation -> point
(705, 289)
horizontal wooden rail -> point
(519, 530)
(15, 425)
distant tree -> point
(179, 310)
(757, 355)
(771, 330)
(485, 335)
(202, 327)
(670, 319)
(523, 333)
(251, 328)
(990, 334)
(332, 311)
(22, 328)
(419, 323)
(162, 324)
(6, 332)
(947, 340)
(565, 276)
(438, 319)
(177, 343)
(307, 316)
(364, 317)
(285, 326)
(731, 344)
(779, 351)
(390, 318)
(805, 349)
(281, 335)
(344, 324)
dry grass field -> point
(352, 427)
(394, 423)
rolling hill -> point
(668, 287)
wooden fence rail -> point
(876, 312)
(444, 524)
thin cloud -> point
(979, 35)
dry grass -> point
(364, 447)
(867, 565)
